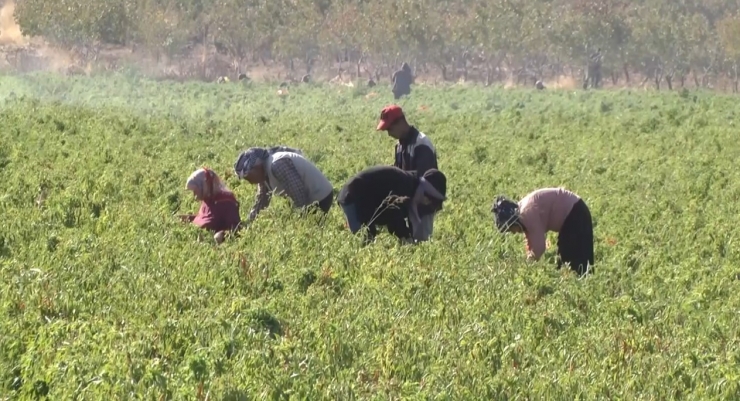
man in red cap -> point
(414, 152)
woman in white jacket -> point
(286, 172)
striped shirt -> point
(295, 189)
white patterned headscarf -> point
(255, 156)
(206, 182)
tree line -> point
(668, 43)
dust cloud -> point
(563, 82)
(10, 32)
(25, 54)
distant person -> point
(414, 152)
(387, 196)
(594, 70)
(219, 209)
(402, 80)
(550, 209)
(286, 172)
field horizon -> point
(105, 294)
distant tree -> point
(662, 40)
(728, 29)
(158, 29)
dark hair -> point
(437, 179)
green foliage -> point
(104, 294)
(158, 27)
(729, 30)
(545, 34)
(76, 22)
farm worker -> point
(402, 80)
(386, 196)
(286, 172)
(550, 209)
(219, 209)
(414, 152)
(593, 76)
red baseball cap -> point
(388, 116)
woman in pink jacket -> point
(551, 209)
(219, 209)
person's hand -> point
(185, 218)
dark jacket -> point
(414, 157)
(368, 191)
(402, 80)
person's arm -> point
(284, 171)
(205, 218)
(397, 224)
(536, 241)
(261, 202)
(208, 222)
(424, 159)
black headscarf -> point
(505, 213)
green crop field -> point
(104, 294)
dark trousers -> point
(323, 205)
(391, 218)
(398, 92)
(576, 240)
